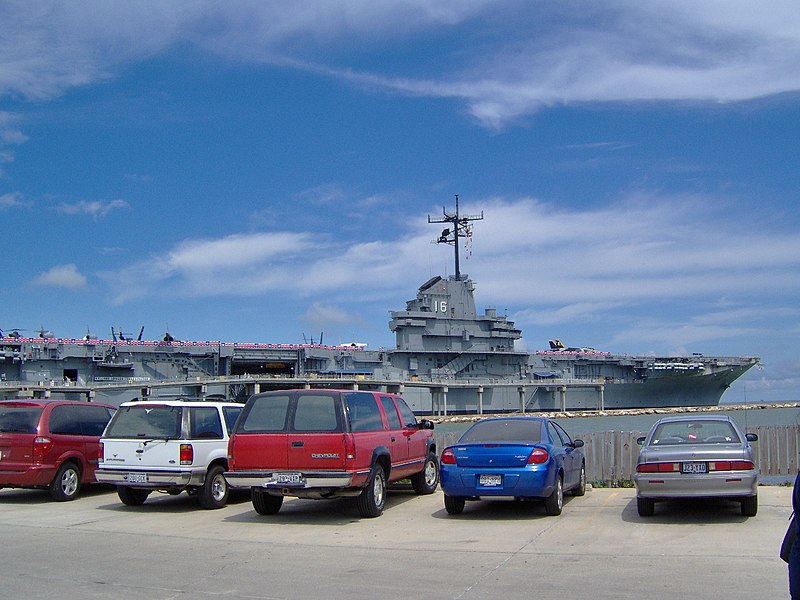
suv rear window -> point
(265, 414)
(204, 423)
(364, 413)
(315, 412)
(19, 419)
(145, 422)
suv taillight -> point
(349, 449)
(231, 463)
(41, 446)
(186, 454)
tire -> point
(67, 482)
(214, 492)
(580, 489)
(645, 506)
(554, 503)
(454, 505)
(266, 504)
(425, 481)
(750, 506)
(132, 496)
(373, 497)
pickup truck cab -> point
(322, 444)
(168, 446)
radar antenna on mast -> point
(460, 228)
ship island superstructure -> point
(448, 359)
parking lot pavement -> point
(94, 547)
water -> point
(577, 426)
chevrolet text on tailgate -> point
(168, 446)
(322, 444)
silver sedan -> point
(696, 457)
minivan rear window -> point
(19, 419)
(145, 422)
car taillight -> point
(539, 456)
(41, 446)
(657, 468)
(100, 454)
(448, 457)
(186, 454)
(731, 465)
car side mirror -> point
(640, 440)
(577, 443)
(751, 437)
(426, 424)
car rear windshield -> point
(694, 432)
(145, 422)
(19, 418)
(504, 430)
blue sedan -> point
(513, 458)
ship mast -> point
(459, 229)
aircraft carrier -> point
(448, 359)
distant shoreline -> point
(622, 412)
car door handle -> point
(392, 438)
(298, 444)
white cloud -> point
(96, 209)
(323, 315)
(521, 58)
(62, 276)
(11, 200)
(545, 266)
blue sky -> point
(260, 171)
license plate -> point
(694, 467)
(137, 477)
(490, 480)
(289, 478)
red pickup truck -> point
(329, 443)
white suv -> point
(168, 446)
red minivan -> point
(50, 444)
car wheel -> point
(645, 506)
(555, 501)
(266, 504)
(214, 492)
(580, 489)
(132, 496)
(750, 506)
(373, 497)
(454, 505)
(67, 482)
(425, 481)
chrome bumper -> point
(153, 479)
(268, 480)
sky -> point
(256, 171)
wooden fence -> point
(611, 455)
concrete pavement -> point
(598, 548)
